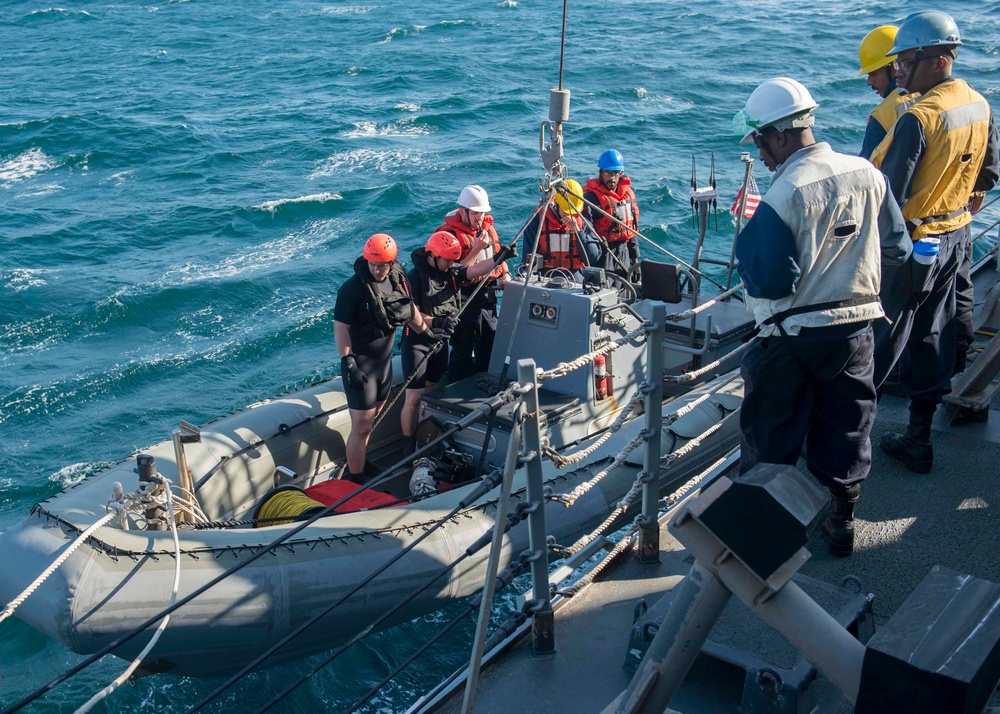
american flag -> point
(753, 199)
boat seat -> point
(331, 491)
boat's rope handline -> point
(123, 677)
(515, 516)
(326, 511)
(13, 604)
(484, 487)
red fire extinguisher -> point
(600, 377)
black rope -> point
(562, 44)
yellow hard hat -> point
(873, 53)
(572, 202)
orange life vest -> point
(467, 237)
(621, 204)
(558, 246)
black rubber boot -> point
(839, 525)
(912, 446)
(409, 444)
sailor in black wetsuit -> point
(371, 304)
(434, 284)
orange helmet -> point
(443, 244)
(381, 248)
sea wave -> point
(28, 336)
(407, 126)
(73, 474)
(293, 246)
(385, 161)
(25, 165)
(273, 206)
(59, 12)
(20, 279)
(346, 10)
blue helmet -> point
(926, 29)
(611, 160)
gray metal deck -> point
(906, 523)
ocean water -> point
(185, 183)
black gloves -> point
(447, 323)
(354, 378)
(436, 334)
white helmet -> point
(780, 102)
(475, 199)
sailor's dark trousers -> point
(920, 299)
(814, 391)
(965, 334)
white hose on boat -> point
(123, 677)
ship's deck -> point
(906, 523)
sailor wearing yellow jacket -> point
(876, 62)
(941, 150)
(811, 259)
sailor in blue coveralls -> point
(939, 152)
(811, 260)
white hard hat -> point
(475, 199)
(780, 102)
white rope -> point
(564, 368)
(123, 677)
(688, 314)
(13, 604)
(691, 376)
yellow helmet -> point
(572, 202)
(873, 53)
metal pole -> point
(700, 600)
(744, 157)
(543, 621)
(476, 659)
(649, 529)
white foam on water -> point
(46, 190)
(401, 127)
(29, 336)
(406, 107)
(294, 246)
(366, 160)
(59, 11)
(18, 168)
(117, 179)
(75, 473)
(507, 3)
(347, 10)
(273, 206)
(20, 279)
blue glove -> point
(354, 378)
